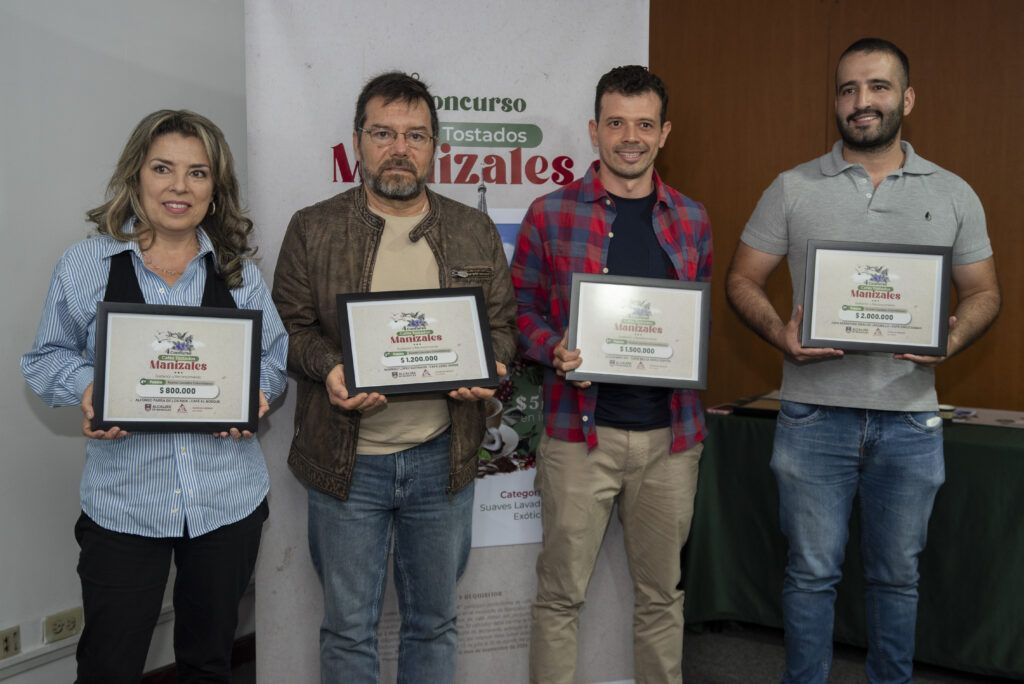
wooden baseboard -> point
(244, 651)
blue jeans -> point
(823, 456)
(400, 498)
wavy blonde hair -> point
(228, 228)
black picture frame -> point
(694, 381)
(176, 422)
(354, 352)
(939, 306)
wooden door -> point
(752, 90)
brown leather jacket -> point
(331, 248)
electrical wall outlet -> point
(62, 625)
(10, 642)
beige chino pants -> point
(654, 490)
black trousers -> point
(123, 579)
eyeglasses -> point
(385, 137)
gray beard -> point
(396, 187)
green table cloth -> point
(971, 612)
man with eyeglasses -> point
(382, 470)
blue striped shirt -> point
(151, 483)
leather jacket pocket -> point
(460, 276)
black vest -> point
(123, 286)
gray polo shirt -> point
(832, 199)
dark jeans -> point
(400, 498)
(823, 457)
(123, 580)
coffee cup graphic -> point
(499, 439)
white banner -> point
(514, 87)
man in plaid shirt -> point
(607, 443)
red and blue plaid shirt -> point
(566, 232)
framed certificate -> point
(176, 368)
(640, 331)
(862, 296)
(410, 341)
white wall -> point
(76, 77)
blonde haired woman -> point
(171, 232)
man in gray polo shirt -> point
(862, 422)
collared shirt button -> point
(868, 195)
(177, 491)
(586, 419)
(607, 202)
(611, 234)
(174, 510)
(604, 270)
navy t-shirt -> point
(634, 250)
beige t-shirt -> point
(407, 420)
